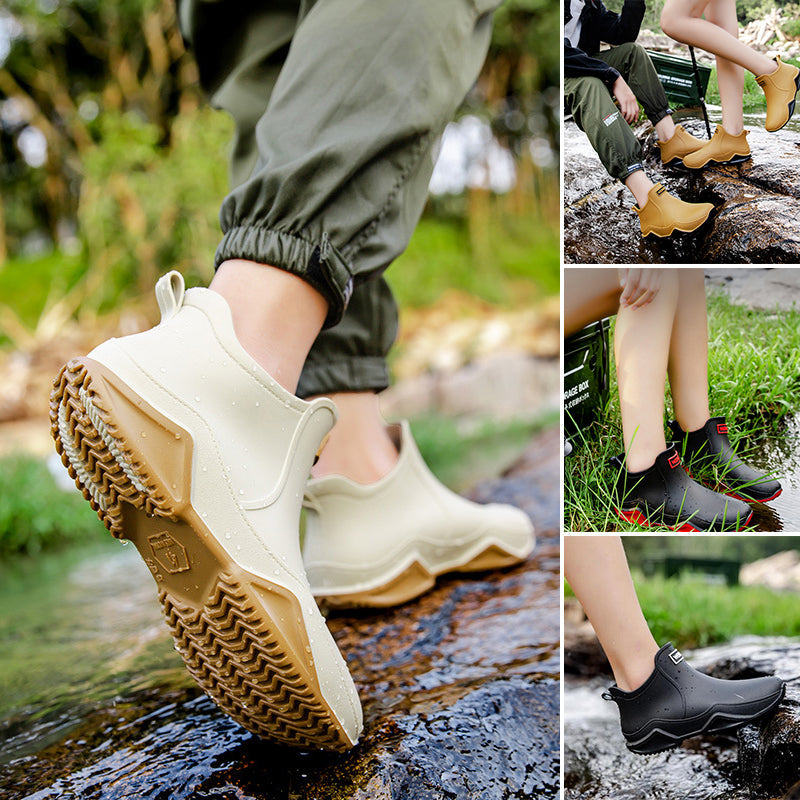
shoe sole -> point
(659, 740)
(635, 515)
(418, 578)
(730, 162)
(791, 105)
(668, 231)
(241, 636)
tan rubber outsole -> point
(417, 579)
(241, 636)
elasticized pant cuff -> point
(318, 263)
(356, 374)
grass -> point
(753, 100)
(690, 612)
(514, 259)
(754, 374)
(35, 514)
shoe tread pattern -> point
(229, 640)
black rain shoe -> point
(709, 447)
(677, 702)
(665, 495)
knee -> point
(670, 21)
(630, 49)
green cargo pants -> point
(594, 110)
(338, 106)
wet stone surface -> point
(762, 764)
(460, 693)
(756, 220)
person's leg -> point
(641, 350)
(703, 440)
(730, 75)
(683, 20)
(688, 352)
(641, 347)
(618, 149)
(597, 571)
(633, 63)
(609, 134)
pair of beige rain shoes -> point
(722, 148)
(183, 444)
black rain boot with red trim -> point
(677, 702)
(710, 448)
(665, 495)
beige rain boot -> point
(384, 543)
(780, 88)
(183, 444)
(722, 148)
(663, 214)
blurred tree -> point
(97, 97)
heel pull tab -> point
(170, 290)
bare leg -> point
(688, 352)
(276, 315)
(730, 75)
(589, 295)
(639, 185)
(641, 348)
(597, 570)
(665, 129)
(682, 20)
(359, 446)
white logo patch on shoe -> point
(676, 657)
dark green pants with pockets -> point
(338, 107)
(595, 113)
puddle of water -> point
(779, 455)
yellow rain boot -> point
(663, 214)
(679, 145)
(723, 148)
(780, 88)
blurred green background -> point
(113, 166)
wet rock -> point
(757, 216)
(779, 571)
(764, 766)
(582, 652)
(460, 693)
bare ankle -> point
(360, 446)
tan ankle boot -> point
(722, 148)
(679, 145)
(780, 88)
(663, 214)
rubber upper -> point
(676, 702)
(666, 495)
(709, 448)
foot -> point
(663, 214)
(780, 88)
(680, 144)
(664, 494)
(183, 444)
(677, 702)
(709, 448)
(384, 544)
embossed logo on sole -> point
(169, 553)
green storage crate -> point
(677, 77)
(586, 375)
